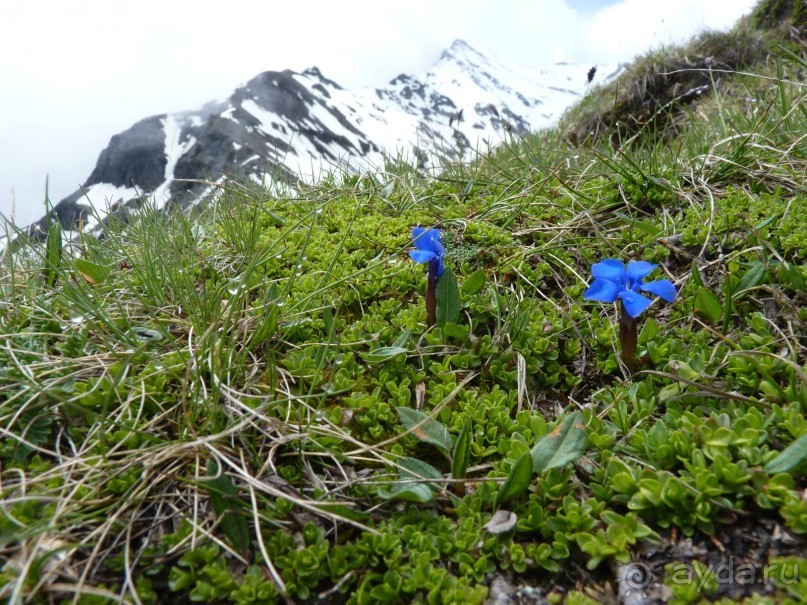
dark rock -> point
(136, 157)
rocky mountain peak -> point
(281, 123)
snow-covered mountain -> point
(289, 126)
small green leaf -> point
(91, 272)
(403, 339)
(266, 328)
(409, 492)
(448, 298)
(456, 332)
(796, 278)
(707, 305)
(226, 504)
(767, 221)
(752, 278)
(461, 456)
(425, 428)
(387, 190)
(642, 226)
(517, 481)
(649, 331)
(696, 275)
(790, 458)
(564, 444)
(276, 218)
(474, 283)
(53, 254)
(790, 276)
(645, 228)
(412, 469)
(327, 320)
(147, 334)
(340, 510)
(383, 354)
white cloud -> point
(622, 31)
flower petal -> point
(662, 287)
(635, 304)
(610, 268)
(639, 269)
(603, 290)
(428, 239)
(422, 256)
(440, 266)
(435, 244)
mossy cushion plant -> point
(262, 404)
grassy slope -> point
(211, 414)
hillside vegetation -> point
(247, 404)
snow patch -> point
(174, 150)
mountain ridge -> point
(293, 126)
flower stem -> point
(628, 337)
(431, 299)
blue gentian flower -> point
(429, 249)
(612, 279)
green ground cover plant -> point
(252, 403)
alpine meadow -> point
(572, 370)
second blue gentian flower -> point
(612, 280)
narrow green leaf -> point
(409, 492)
(796, 278)
(383, 354)
(147, 334)
(517, 481)
(91, 272)
(428, 431)
(461, 456)
(474, 283)
(790, 458)
(276, 218)
(327, 320)
(707, 305)
(403, 339)
(387, 190)
(412, 469)
(53, 254)
(642, 226)
(340, 510)
(646, 228)
(767, 221)
(564, 444)
(752, 278)
(660, 183)
(649, 330)
(224, 498)
(267, 327)
(696, 275)
(448, 298)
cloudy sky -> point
(75, 72)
